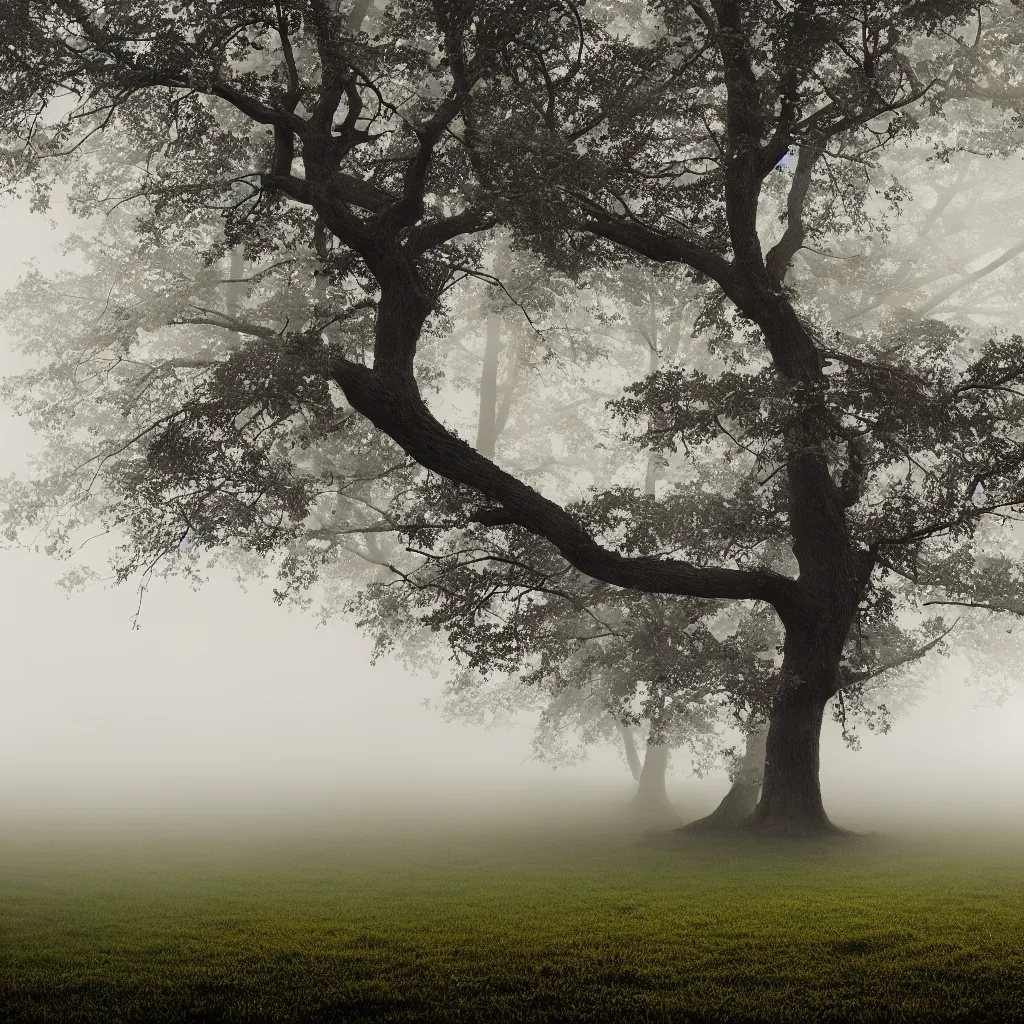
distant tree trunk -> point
(236, 288)
(495, 401)
(486, 431)
(357, 15)
(632, 757)
(508, 389)
(321, 276)
(739, 803)
(653, 365)
(651, 798)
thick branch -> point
(293, 187)
(424, 237)
(744, 124)
(392, 402)
(409, 208)
(662, 248)
(782, 253)
(215, 318)
(356, 192)
(252, 108)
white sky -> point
(223, 699)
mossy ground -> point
(551, 922)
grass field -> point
(555, 920)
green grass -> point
(550, 923)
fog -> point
(223, 704)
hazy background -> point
(223, 703)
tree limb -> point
(392, 402)
(781, 254)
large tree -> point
(648, 133)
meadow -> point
(544, 918)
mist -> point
(222, 703)
(218, 703)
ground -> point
(560, 921)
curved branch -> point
(428, 236)
(664, 248)
(781, 254)
(984, 605)
(391, 401)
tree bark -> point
(791, 794)
(739, 803)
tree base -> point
(750, 825)
(712, 823)
(736, 807)
(752, 832)
(796, 828)
(652, 813)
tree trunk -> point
(486, 431)
(629, 744)
(653, 365)
(739, 803)
(508, 389)
(236, 288)
(791, 794)
(651, 798)
(357, 15)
